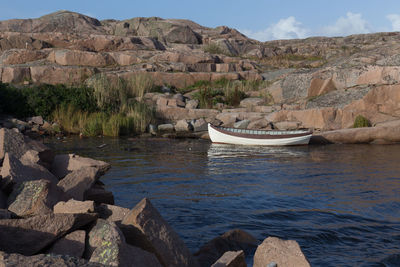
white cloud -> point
(395, 20)
(353, 23)
(288, 28)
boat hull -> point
(224, 138)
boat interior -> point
(261, 132)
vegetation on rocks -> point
(361, 121)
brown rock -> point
(13, 172)
(42, 260)
(74, 206)
(207, 114)
(81, 58)
(231, 259)
(233, 240)
(251, 102)
(286, 125)
(164, 239)
(31, 235)
(34, 198)
(76, 183)
(192, 104)
(66, 163)
(282, 252)
(319, 87)
(72, 244)
(183, 126)
(107, 246)
(15, 74)
(111, 213)
(228, 119)
(55, 74)
(260, 124)
(21, 56)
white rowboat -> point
(257, 137)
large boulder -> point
(99, 195)
(74, 206)
(169, 247)
(31, 235)
(80, 58)
(66, 163)
(42, 260)
(106, 245)
(14, 172)
(232, 240)
(73, 244)
(112, 213)
(76, 183)
(282, 252)
(231, 259)
(34, 198)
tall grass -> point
(70, 118)
(141, 115)
(140, 84)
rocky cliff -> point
(321, 83)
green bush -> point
(13, 101)
(361, 121)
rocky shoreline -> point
(54, 210)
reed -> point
(142, 116)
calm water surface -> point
(340, 202)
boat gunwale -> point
(259, 136)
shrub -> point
(361, 121)
(13, 101)
(213, 49)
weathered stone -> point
(31, 235)
(36, 120)
(106, 245)
(34, 198)
(166, 128)
(42, 260)
(251, 102)
(169, 247)
(231, 259)
(73, 244)
(207, 114)
(228, 119)
(14, 172)
(183, 126)
(282, 252)
(15, 74)
(200, 125)
(56, 74)
(260, 124)
(192, 104)
(81, 58)
(233, 240)
(74, 206)
(76, 183)
(66, 163)
(286, 125)
(99, 195)
(21, 56)
(241, 124)
(111, 213)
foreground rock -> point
(72, 244)
(112, 213)
(231, 259)
(74, 206)
(67, 163)
(76, 183)
(42, 260)
(107, 246)
(29, 236)
(34, 198)
(169, 247)
(283, 252)
(233, 240)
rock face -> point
(34, 198)
(76, 183)
(169, 247)
(233, 240)
(31, 235)
(72, 244)
(282, 252)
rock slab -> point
(72, 244)
(74, 206)
(231, 259)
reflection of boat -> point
(257, 137)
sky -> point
(259, 19)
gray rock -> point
(282, 252)
(31, 235)
(76, 183)
(231, 259)
(166, 128)
(183, 126)
(67, 163)
(14, 172)
(192, 104)
(241, 124)
(200, 125)
(72, 244)
(42, 260)
(74, 206)
(233, 240)
(34, 198)
(36, 120)
(99, 195)
(111, 213)
(168, 245)
(251, 102)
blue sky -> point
(259, 19)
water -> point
(340, 202)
